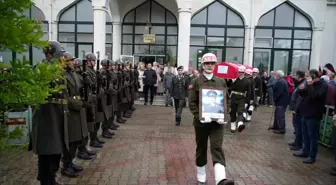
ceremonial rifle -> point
(107, 75)
(98, 73)
(86, 85)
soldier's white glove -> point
(206, 120)
(251, 101)
(245, 105)
(251, 108)
(221, 121)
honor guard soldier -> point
(109, 100)
(89, 107)
(132, 88)
(258, 85)
(240, 92)
(207, 128)
(50, 125)
(179, 93)
(90, 60)
(251, 101)
(127, 113)
(136, 84)
(120, 93)
(77, 127)
(114, 92)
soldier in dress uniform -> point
(114, 92)
(89, 109)
(240, 92)
(136, 84)
(90, 60)
(132, 88)
(127, 112)
(251, 101)
(77, 127)
(109, 100)
(49, 128)
(206, 128)
(179, 93)
(121, 92)
(213, 106)
(258, 85)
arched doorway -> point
(149, 32)
(75, 29)
(217, 29)
(282, 40)
(34, 55)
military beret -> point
(180, 67)
(211, 93)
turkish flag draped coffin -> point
(228, 70)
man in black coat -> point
(314, 93)
(149, 80)
(280, 96)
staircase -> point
(158, 100)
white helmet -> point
(249, 71)
(209, 57)
(255, 70)
(241, 69)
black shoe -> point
(106, 135)
(178, 124)
(292, 144)
(133, 108)
(120, 120)
(77, 168)
(300, 154)
(279, 132)
(90, 152)
(69, 172)
(127, 116)
(115, 125)
(84, 156)
(201, 183)
(100, 141)
(145, 103)
(241, 128)
(112, 127)
(226, 182)
(294, 148)
(96, 144)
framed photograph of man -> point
(212, 103)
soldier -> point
(114, 93)
(84, 79)
(251, 101)
(90, 59)
(77, 127)
(120, 93)
(258, 85)
(213, 106)
(206, 128)
(179, 93)
(50, 125)
(127, 112)
(109, 100)
(136, 84)
(240, 92)
(132, 88)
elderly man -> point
(270, 86)
(281, 96)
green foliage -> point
(16, 30)
(25, 85)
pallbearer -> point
(240, 92)
(258, 84)
(251, 101)
(207, 128)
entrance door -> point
(262, 60)
(281, 60)
(83, 47)
(147, 59)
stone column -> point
(99, 30)
(316, 48)
(53, 32)
(184, 38)
(116, 41)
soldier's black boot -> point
(226, 182)
(113, 127)
(77, 168)
(178, 120)
(100, 141)
(120, 120)
(126, 114)
(133, 108)
(96, 144)
(107, 135)
(90, 152)
(84, 156)
(69, 172)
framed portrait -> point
(212, 103)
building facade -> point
(270, 35)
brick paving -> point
(151, 150)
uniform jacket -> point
(242, 86)
(90, 112)
(50, 127)
(132, 86)
(179, 87)
(194, 90)
(252, 96)
(77, 127)
(127, 85)
(280, 92)
(258, 85)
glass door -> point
(262, 60)
(87, 48)
(281, 60)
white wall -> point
(328, 46)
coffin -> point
(228, 70)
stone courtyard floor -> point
(151, 150)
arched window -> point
(34, 55)
(219, 30)
(282, 40)
(159, 27)
(75, 29)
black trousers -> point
(179, 105)
(93, 135)
(151, 88)
(69, 155)
(237, 108)
(82, 146)
(264, 96)
(48, 165)
(214, 132)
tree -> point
(17, 30)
